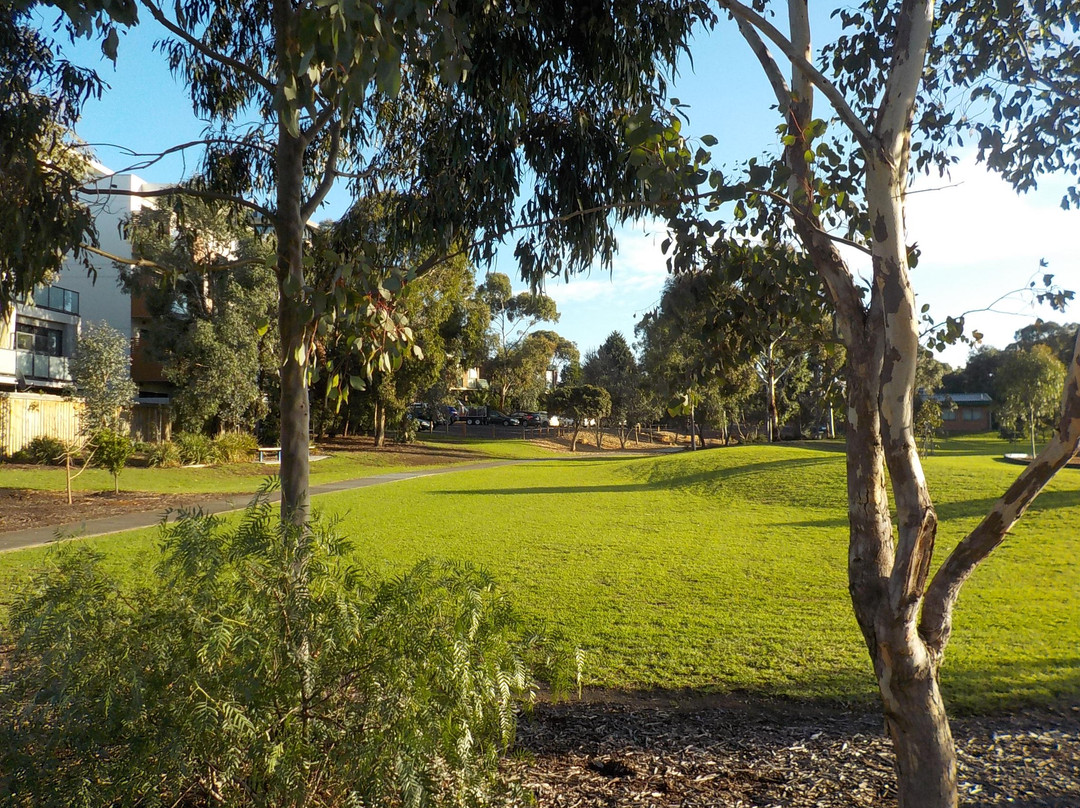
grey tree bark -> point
(905, 619)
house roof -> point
(967, 399)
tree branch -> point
(159, 156)
(768, 63)
(176, 190)
(936, 624)
(207, 51)
(329, 176)
(828, 89)
(905, 72)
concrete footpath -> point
(34, 537)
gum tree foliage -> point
(446, 104)
(42, 218)
(203, 276)
(680, 360)
(581, 402)
(767, 307)
(520, 357)
(614, 367)
(1059, 338)
(101, 373)
(887, 82)
(449, 328)
(1028, 388)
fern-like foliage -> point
(263, 668)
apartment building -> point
(38, 336)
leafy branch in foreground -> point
(194, 690)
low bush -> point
(235, 447)
(163, 455)
(262, 669)
(195, 448)
(111, 451)
(43, 450)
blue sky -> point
(979, 239)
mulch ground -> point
(22, 508)
(770, 755)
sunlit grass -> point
(235, 478)
(725, 570)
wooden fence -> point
(25, 416)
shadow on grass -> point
(977, 508)
(969, 690)
(708, 479)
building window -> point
(57, 299)
(948, 415)
(971, 414)
(38, 339)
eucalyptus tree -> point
(684, 359)
(1028, 388)
(201, 271)
(42, 218)
(895, 81)
(450, 105)
(614, 367)
(520, 357)
(582, 402)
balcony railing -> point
(57, 298)
(42, 367)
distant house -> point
(37, 338)
(469, 381)
(965, 412)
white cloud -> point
(638, 266)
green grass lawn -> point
(725, 570)
(246, 477)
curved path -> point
(35, 537)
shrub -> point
(112, 451)
(261, 669)
(162, 455)
(43, 450)
(195, 448)
(235, 447)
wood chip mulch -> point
(578, 755)
(22, 508)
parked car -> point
(548, 420)
(501, 418)
(527, 418)
(422, 424)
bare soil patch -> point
(22, 508)
(765, 754)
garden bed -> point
(753, 754)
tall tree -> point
(1059, 338)
(683, 358)
(1028, 387)
(847, 181)
(202, 273)
(614, 367)
(449, 104)
(521, 357)
(101, 372)
(42, 218)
